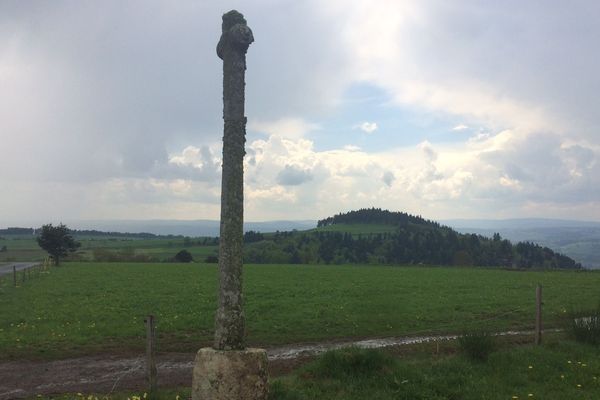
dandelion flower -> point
(569, 362)
(578, 385)
(530, 395)
(531, 367)
(584, 365)
(562, 377)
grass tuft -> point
(585, 326)
(477, 345)
(352, 362)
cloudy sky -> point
(461, 109)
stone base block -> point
(230, 375)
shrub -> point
(212, 259)
(477, 345)
(585, 326)
(184, 256)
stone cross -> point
(232, 47)
(228, 370)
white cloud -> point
(351, 147)
(367, 127)
(289, 128)
(460, 127)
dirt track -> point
(103, 374)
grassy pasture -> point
(83, 308)
(20, 248)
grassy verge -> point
(86, 308)
(559, 370)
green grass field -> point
(83, 308)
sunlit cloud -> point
(367, 127)
(460, 127)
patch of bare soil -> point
(105, 374)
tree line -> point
(376, 216)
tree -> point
(184, 256)
(57, 241)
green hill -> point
(375, 236)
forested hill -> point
(396, 238)
(376, 216)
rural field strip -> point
(109, 373)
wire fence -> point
(19, 275)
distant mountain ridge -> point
(518, 223)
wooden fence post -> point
(150, 354)
(538, 315)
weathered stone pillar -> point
(232, 47)
(229, 370)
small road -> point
(6, 269)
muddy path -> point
(111, 373)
